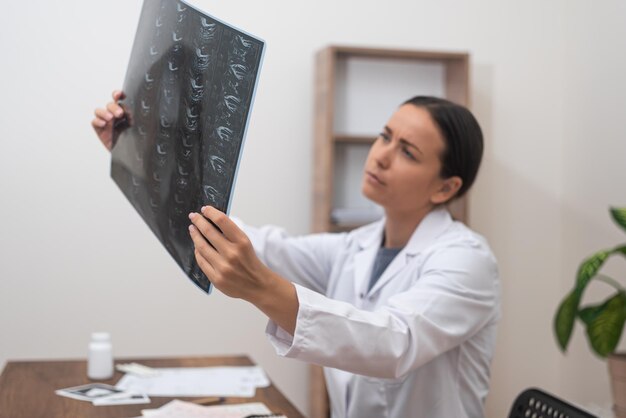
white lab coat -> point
(418, 344)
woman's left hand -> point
(229, 261)
(227, 257)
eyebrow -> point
(403, 141)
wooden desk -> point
(27, 389)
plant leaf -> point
(619, 216)
(564, 319)
(590, 313)
(605, 329)
(588, 269)
(621, 250)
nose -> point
(383, 155)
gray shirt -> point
(384, 257)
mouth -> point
(373, 178)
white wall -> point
(547, 86)
(593, 171)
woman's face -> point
(403, 165)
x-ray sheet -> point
(189, 90)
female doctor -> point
(401, 313)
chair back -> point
(535, 403)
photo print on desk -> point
(189, 90)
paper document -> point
(356, 215)
(178, 409)
(198, 381)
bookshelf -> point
(356, 90)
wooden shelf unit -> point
(327, 139)
(331, 64)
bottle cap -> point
(100, 336)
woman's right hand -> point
(105, 119)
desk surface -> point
(27, 389)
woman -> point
(401, 313)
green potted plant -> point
(604, 322)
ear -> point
(447, 190)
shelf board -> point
(349, 51)
(355, 139)
(334, 227)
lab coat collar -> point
(370, 238)
(433, 225)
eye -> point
(385, 138)
(408, 154)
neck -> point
(400, 226)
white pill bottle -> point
(100, 358)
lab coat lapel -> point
(433, 225)
(364, 259)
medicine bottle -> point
(100, 359)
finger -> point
(98, 123)
(103, 114)
(215, 237)
(115, 109)
(204, 265)
(230, 230)
(118, 95)
(204, 247)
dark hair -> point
(462, 136)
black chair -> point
(535, 403)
